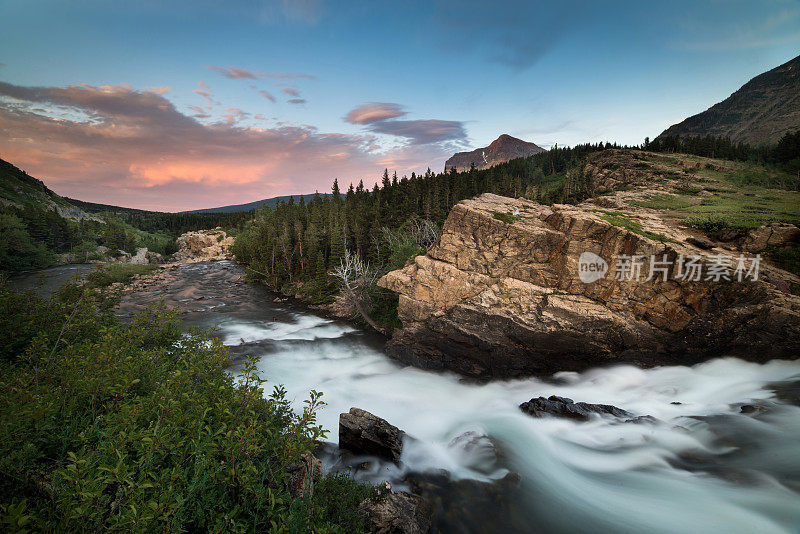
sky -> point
(173, 105)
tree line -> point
(785, 154)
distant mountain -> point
(267, 202)
(761, 111)
(502, 149)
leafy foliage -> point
(138, 427)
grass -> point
(505, 217)
(747, 197)
(117, 272)
(619, 219)
(664, 201)
(787, 258)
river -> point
(702, 467)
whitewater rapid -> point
(704, 467)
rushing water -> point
(703, 467)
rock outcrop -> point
(398, 513)
(502, 149)
(361, 432)
(564, 407)
(204, 245)
(301, 475)
(500, 295)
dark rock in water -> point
(752, 409)
(477, 451)
(786, 391)
(564, 407)
(363, 433)
(702, 242)
(472, 505)
(676, 403)
(398, 513)
(648, 419)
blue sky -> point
(84, 102)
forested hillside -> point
(41, 228)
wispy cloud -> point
(421, 132)
(290, 91)
(297, 101)
(374, 112)
(515, 33)
(119, 145)
(205, 92)
(238, 73)
(773, 30)
(267, 95)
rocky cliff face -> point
(502, 149)
(500, 296)
(204, 245)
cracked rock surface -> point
(499, 299)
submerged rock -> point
(472, 505)
(398, 513)
(564, 407)
(361, 432)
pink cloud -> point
(117, 145)
(374, 112)
(237, 73)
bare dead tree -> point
(357, 279)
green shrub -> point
(619, 219)
(117, 272)
(505, 217)
(787, 258)
(139, 428)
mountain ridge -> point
(760, 112)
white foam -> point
(604, 475)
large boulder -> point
(564, 407)
(504, 296)
(770, 235)
(361, 432)
(397, 513)
(204, 245)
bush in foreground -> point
(138, 427)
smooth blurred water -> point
(703, 468)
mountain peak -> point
(760, 111)
(502, 149)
